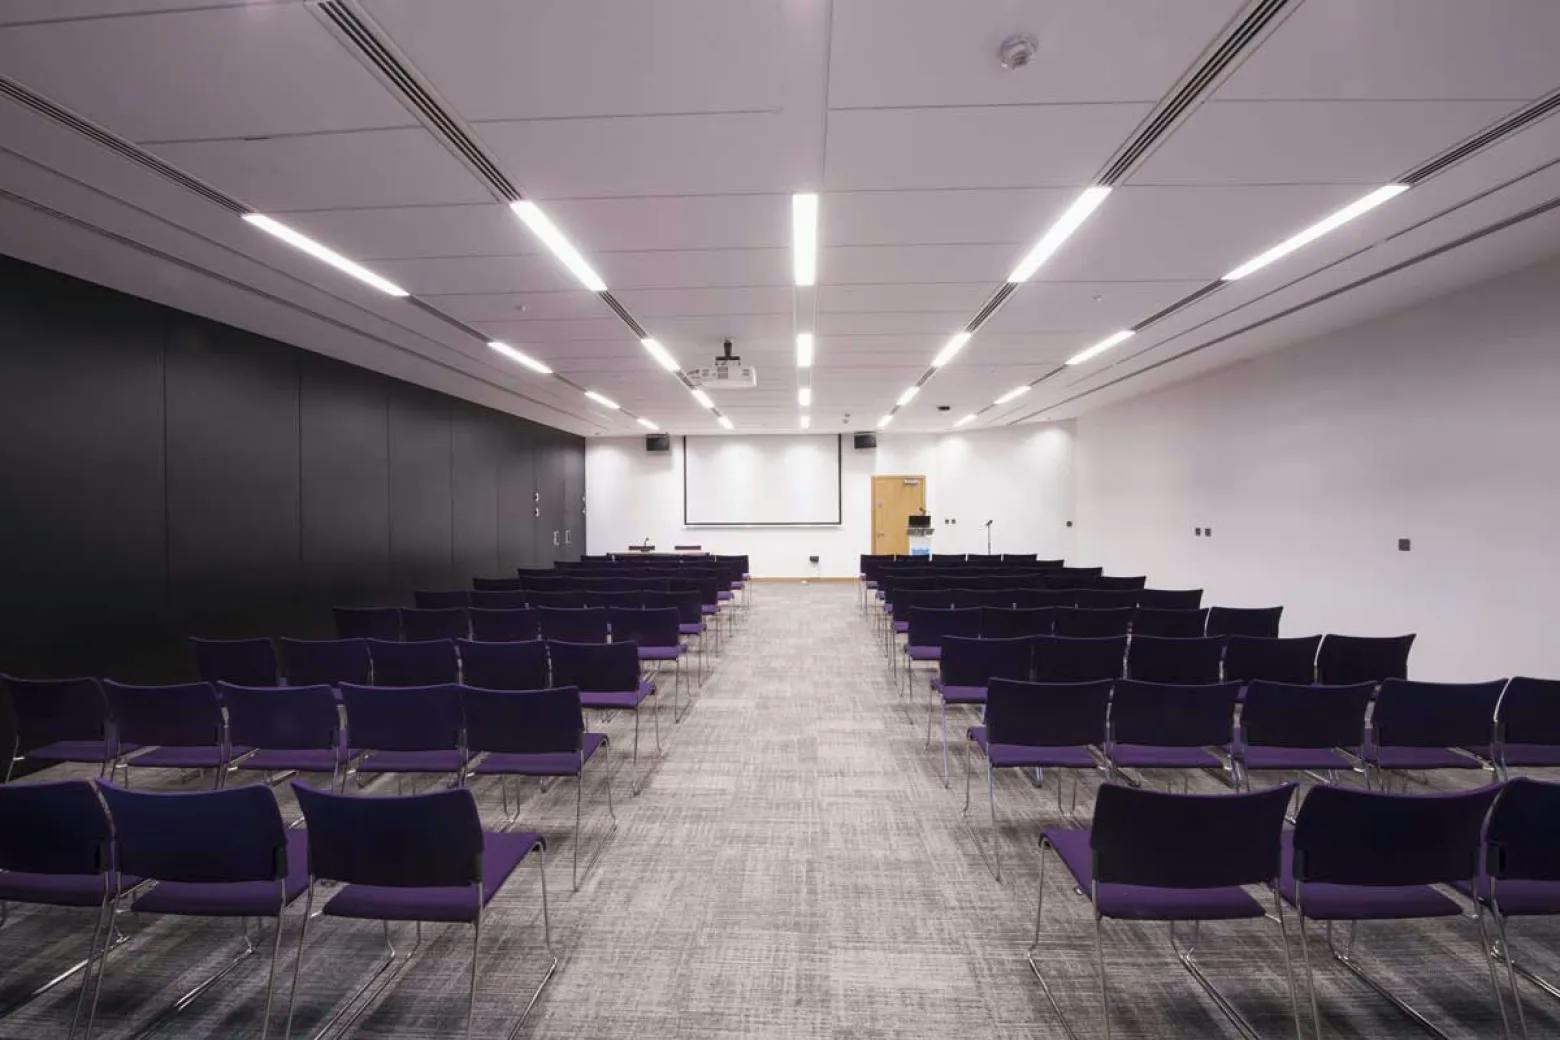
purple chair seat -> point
(233, 899)
(1269, 757)
(708, 609)
(1008, 756)
(723, 596)
(660, 653)
(195, 757)
(553, 763)
(924, 653)
(690, 628)
(61, 889)
(1327, 902)
(960, 694)
(304, 760)
(1151, 756)
(501, 854)
(1518, 898)
(607, 700)
(1513, 754)
(1145, 903)
(443, 761)
(1420, 758)
(901, 627)
(71, 751)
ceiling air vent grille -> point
(1510, 125)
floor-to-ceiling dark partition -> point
(163, 475)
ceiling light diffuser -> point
(953, 346)
(908, 396)
(724, 422)
(1013, 394)
(602, 399)
(646, 423)
(1086, 203)
(1101, 347)
(703, 398)
(967, 419)
(543, 228)
(525, 359)
(325, 253)
(804, 238)
(804, 350)
(804, 396)
(805, 421)
(660, 353)
(885, 420)
(1359, 207)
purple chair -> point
(690, 617)
(1007, 622)
(329, 662)
(246, 662)
(1045, 598)
(496, 585)
(441, 599)
(1092, 622)
(415, 858)
(441, 623)
(1106, 581)
(656, 631)
(1252, 658)
(169, 727)
(1036, 726)
(1313, 729)
(1527, 725)
(1244, 621)
(574, 624)
(1105, 599)
(500, 599)
(1343, 660)
(559, 599)
(1424, 725)
(614, 599)
(405, 729)
(1362, 855)
(426, 662)
(927, 628)
(1060, 659)
(1168, 660)
(58, 720)
(368, 622)
(1169, 624)
(519, 665)
(1151, 856)
(56, 850)
(963, 671)
(1169, 726)
(1170, 599)
(211, 854)
(504, 626)
(539, 733)
(285, 728)
(607, 676)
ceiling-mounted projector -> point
(727, 373)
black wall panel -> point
(162, 475)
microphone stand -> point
(988, 536)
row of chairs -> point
(1185, 859)
(519, 619)
(101, 847)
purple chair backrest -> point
(432, 840)
(1018, 557)
(614, 599)
(685, 603)
(1172, 624)
(574, 624)
(975, 662)
(1427, 714)
(1093, 623)
(1004, 622)
(367, 622)
(1244, 621)
(1106, 581)
(930, 625)
(1352, 659)
(403, 718)
(281, 717)
(497, 584)
(1066, 659)
(1522, 839)
(422, 663)
(178, 715)
(595, 667)
(1105, 599)
(440, 623)
(331, 661)
(1302, 715)
(1346, 836)
(54, 828)
(1166, 660)
(426, 599)
(560, 599)
(524, 722)
(504, 626)
(1143, 837)
(1045, 598)
(248, 662)
(48, 710)
(517, 665)
(500, 599)
(1046, 714)
(1170, 599)
(1250, 658)
(1173, 715)
(233, 835)
(647, 626)
(1529, 711)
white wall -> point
(1440, 424)
(1022, 478)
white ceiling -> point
(666, 139)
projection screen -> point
(790, 480)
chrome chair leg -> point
(1034, 946)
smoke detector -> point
(1017, 50)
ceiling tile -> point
(935, 216)
(523, 306)
(419, 232)
(1088, 309)
(668, 223)
(656, 303)
(714, 267)
(886, 264)
(943, 296)
(465, 275)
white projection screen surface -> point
(761, 481)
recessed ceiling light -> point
(646, 423)
(885, 420)
(660, 353)
(602, 399)
(967, 419)
(1086, 202)
(908, 396)
(1357, 208)
(804, 396)
(525, 359)
(724, 422)
(543, 228)
(804, 350)
(1101, 347)
(1013, 394)
(953, 346)
(805, 421)
(703, 398)
(325, 253)
(804, 238)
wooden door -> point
(894, 499)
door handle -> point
(555, 537)
(568, 535)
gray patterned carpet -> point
(793, 868)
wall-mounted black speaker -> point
(658, 442)
(866, 441)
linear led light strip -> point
(804, 271)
